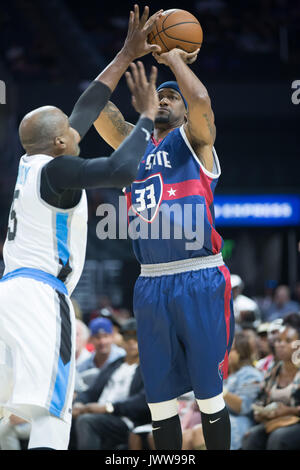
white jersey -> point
(41, 236)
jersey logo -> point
(146, 196)
(148, 135)
(221, 369)
(160, 158)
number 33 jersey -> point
(170, 204)
(41, 236)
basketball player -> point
(46, 242)
(182, 299)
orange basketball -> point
(177, 28)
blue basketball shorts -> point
(185, 328)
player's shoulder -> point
(64, 162)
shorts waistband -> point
(37, 275)
(181, 266)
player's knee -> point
(212, 405)
(163, 410)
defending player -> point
(46, 242)
(182, 299)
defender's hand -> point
(144, 95)
(136, 44)
(176, 54)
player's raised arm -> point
(94, 99)
(200, 126)
(121, 167)
(111, 124)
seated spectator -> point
(245, 309)
(273, 331)
(282, 304)
(117, 337)
(105, 350)
(250, 331)
(116, 402)
(240, 391)
(277, 409)
(82, 336)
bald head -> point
(43, 129)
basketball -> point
(177, 28)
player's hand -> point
(144, 95)
(95, 408)
(136, 44)
(78, 409)
(166, 58)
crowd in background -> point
(233, 30)
(262, 391)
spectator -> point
(116, 403)
(117, 337)
(278, 406)
(82, 336)
(105, 350)
(245, 309)
(273, 331)
(282, 304)
(240, 391)
(250, 331)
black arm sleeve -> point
(89, 106)
(118, 170)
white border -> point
(208, 173)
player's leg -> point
(39, 327)
(206, 329)
(166, 427)
(162, 359)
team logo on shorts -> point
(221, 369)
(146, 197)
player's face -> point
(171, 107)
(102, 342)
(130, 344)
(284, 345)
(73, 139)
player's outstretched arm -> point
(94, 99)
(200, 127)
(121, 167)
(111, 124)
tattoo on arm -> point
(117, 119)
(210, 126)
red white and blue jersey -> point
(171, 203)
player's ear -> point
(60, 142)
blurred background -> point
(49, 53)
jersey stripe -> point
(62, 236)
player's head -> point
(47, 130)
(101, 335)
(172, 111)
(130, 342)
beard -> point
(162, 118)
